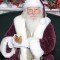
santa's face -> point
(32, 16)
(33, 12)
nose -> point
(33, 12)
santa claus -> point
(31, 36)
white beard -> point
(31, 24)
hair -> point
(25, 15)
(29, 21)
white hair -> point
(30, 23)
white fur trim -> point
(10, 39)
(3, 48)
(23, 55)
(41, 27)
(19, 24)
(32, 3)
(36, 48)
(36, 59)
(38, 34)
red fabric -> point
(49, 39)
(48, 57)
(16, 56)
(17, 3)
(0, 1)
(11, 32)
(47, 42)
(58, 1)
(56, 4)
(20, 1)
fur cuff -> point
(36, 48)
(24, 43)
(3, 48)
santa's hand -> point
(35, 47)
(24, 44)
(18, 44)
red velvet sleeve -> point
(49, 39)
(11, 31)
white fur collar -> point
(19, 23)
(41, 27)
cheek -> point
(29, 12)
(38, 12)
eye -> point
(29, 9)
(36, 9)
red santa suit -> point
(44, 34)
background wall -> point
(5, 21)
